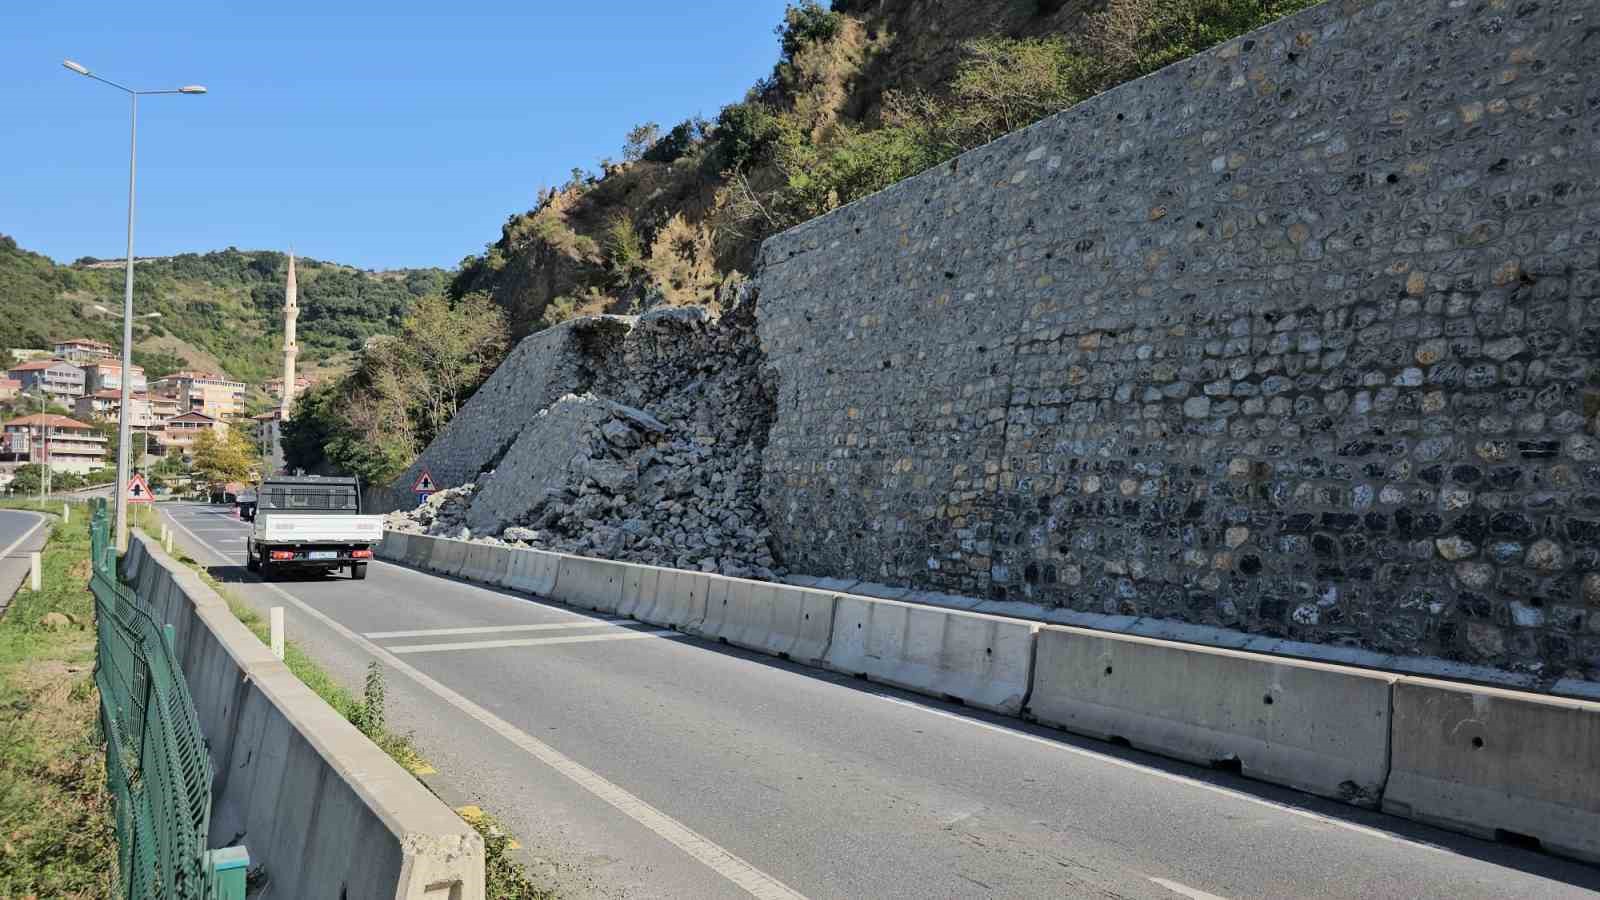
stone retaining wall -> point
(1298, 336)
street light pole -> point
(124, 421)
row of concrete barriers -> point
(1488, 762)
(325, 812)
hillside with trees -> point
(219, 310)
(863, 94)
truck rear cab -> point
(309, 523)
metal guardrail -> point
(157, 767)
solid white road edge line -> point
(720, 860)
(38, 524)
(534, 642)
(493, 629)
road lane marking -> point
(1170, 776)
(38, 523)
(1185, 890)
(490, 629)
(535, 642)
(715, 857)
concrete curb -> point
(324, 811)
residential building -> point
(273, 387)
(217, 396)
(105, 405)
(67, 444)
(83, 350)
(62, 381)
(269, 437)
(104, 374)
(9, 388)
(164, 406)
(177, 434)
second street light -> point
(123, 419)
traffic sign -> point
(424, 483)
(138, 490)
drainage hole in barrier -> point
(952, 698)
(1108, 670)
(782, 655)
(808, 617)
(1517, 839)
(1267, 699)
(1477, 743)
(858, 624)
(1119, 741)
(722, 640)
(1228, 764)
(988, 651)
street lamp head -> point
(192, 89)
(76, 67)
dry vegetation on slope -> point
(864, 93)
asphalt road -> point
(642, 764)
(20, 534)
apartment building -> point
(62, 381)
(207, 393)
(104, 374)
(67, 444)
(83, 350)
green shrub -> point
(678, 142)
(744, 134)
(807, 23)
(557, 311)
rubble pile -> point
(658, 462)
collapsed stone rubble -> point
(658, 461)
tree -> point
(229, 457)
(639, 139)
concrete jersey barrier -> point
(677, 600)
(324, 811)
(789, 622)
(983, 661)
(485, 563)
(532, 571)
(590, 583)
(1318, 728)
(1491, 762)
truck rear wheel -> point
(268, 572)
(250, 561)
(358, 571)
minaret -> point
(291, 312)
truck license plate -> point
(323, 554)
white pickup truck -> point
(309, 523)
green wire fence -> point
(157, 767)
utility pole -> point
(124, 421)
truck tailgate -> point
(288, 528)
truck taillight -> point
(283, 554)
(360, 554)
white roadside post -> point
(35, 576)
(276, 615)
(66, 512)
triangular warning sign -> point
(424, 483)
(138, 490)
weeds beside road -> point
(56, 837)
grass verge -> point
(56, 834)
(506, 878)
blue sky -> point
(400, 135)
